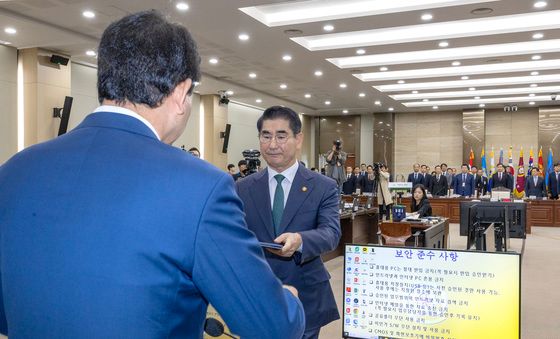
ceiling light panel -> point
(548, 78)
(460, 53)
(460, 70)
(290, 13)
(436, 31)
(477, 101)
(484, 92)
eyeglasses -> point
(266, 138)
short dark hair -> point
(444, 164)
(143, 57)
(423, 166)
(466, 165)
(242, 162)
(557, 164)
(500, 164)
(436, 166)
(194, 149)
(230, 166)
(474, 166)
(280, 112)
(369, 166)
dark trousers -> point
(311, 333)
(385, 210)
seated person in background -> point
(534, 185)
(349, 186)
(368, 180)
(419, 204)
(439, 185)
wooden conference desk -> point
(357, 228)
(431, 236)
(539, 212)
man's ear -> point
(180, 94)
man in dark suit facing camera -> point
(534, 185)
(501, 178)
(438, 185)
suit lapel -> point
(300, 190)
(260, 193)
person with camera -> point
(384, 198)
(242, 165)
(336, 158)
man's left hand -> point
(292, 242)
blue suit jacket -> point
(553, 185)
(312, 211)
(458, 187)
(106, 232)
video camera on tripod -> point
(253, 161)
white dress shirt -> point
(289, 175)
(126, 111)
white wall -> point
(366, 140)
(243, 135)
(191, 135)
(84, 92)
(8, 99)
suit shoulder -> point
(322, 179)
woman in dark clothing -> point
(420, 203)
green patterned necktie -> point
(278, 204)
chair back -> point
(395, 234)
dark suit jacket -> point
(350, 185)
(312, 211)
(505, 182)
(424, 209)
(366, 184)
(481, 184)
(553, 185)
(98, 241)
(419, 179)
(538, 190)
(438, 187)
(466, 189)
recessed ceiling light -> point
(5, 42)
(342, 85)
(258, 101)
(425, 100)
(88, 14)
(91, 53)
(283, 86)
(533, 85)
(464, 77)
(287, 57)
(456, 63)
(534, 73)
(532, 94)
(307, 95)
(338, 122)
(318, 73)
(443, 44)
(390, 109)
(213, 61)
(360, 51)
(344, 111)
(538, 35)
(482, 11)
(182, 6)
(472, 88)
(252, 75)
(481, 105)
(427, 17)
(414, 92)
(349, 125)
(536, 57)
(476, 98)
(383, 69)
(361, 95)
(243, 37)
(10, 30)
(540, 4)
(328, 28)
(401, 82)
(531, 102)
(229, 92)
(435, 107)
(327, 102)
(377, 102)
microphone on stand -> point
(214, 328)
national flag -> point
(483, 162)
(492, 166)
(549, 166)
(471, 158)
(510, 161)
(541, 167)
(531, 158)
(501, 161)
(519, 189)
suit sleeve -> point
(3, 320)
(227, 254)
(326, 235)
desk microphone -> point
(214, 328)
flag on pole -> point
(483, 162)
(531, 158)
(492, 165)
(519, 189)
(471, 158)
(510, 161)
(501, 161)
(549, 166)
(541, 166)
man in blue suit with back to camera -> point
(463, 182)
(293, 206)
(111, 232)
